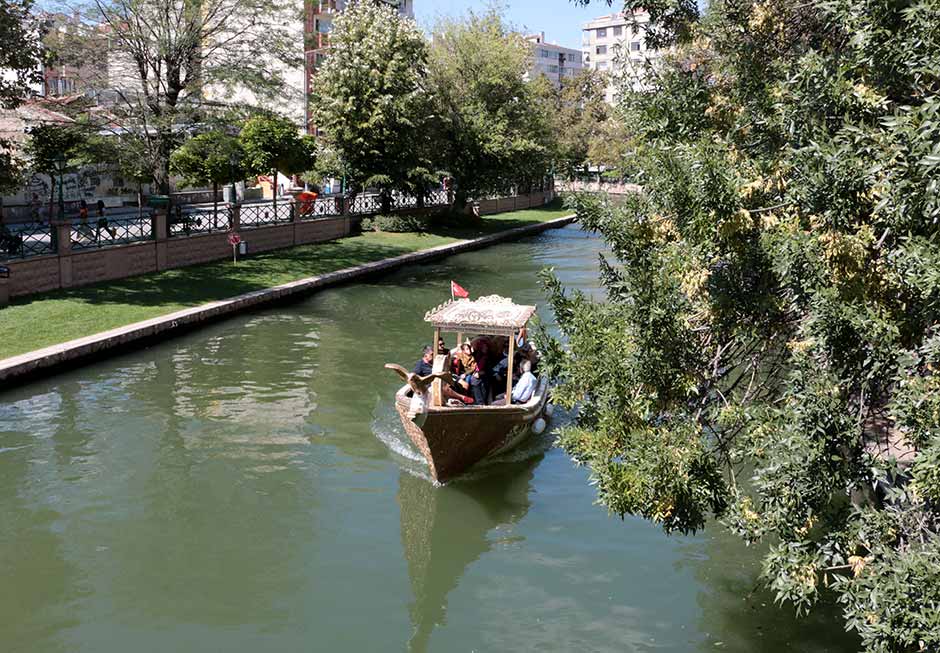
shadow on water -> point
(445, 529)
(740, 614)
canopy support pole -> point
(512, 350)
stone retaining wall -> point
(69, 269)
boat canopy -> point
(492, 315)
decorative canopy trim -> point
(491, 315)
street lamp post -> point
(60, 168)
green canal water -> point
(248, 487)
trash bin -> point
(4, 285)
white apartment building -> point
(616, 45)
(554, 61)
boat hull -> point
(453, 440)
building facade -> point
(318, 23)
(553, 61)
(616, 45)
(68, 76)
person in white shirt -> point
(525, 387)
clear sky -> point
(561, 20)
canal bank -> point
(49, 359)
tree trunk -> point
(164, 149)
(385, 197)
(52, 198)
(140, 199)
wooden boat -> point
(454, 438)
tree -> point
(577, 113)
(20, 59)
(211, 158)
(273, 144)
(172, 64)
(494, 132)
(52, 144)
(770, 340)
(371, 100)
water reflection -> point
(445, 529)
(739, 614)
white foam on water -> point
(388, 429)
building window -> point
(602, 33)
(553, 69)
(635, 46)
(601, 49)
(618, 31)
(602, 65)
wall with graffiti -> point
(87, 184)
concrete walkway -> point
(96, 347)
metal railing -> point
(260, 215)
(200, 221)
(26, 240)
(365, 205)
(437, 198)
(321, 207)
(400, 202)
(103, 232)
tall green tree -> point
(273, 144)
(768, 350)
(577, 115)
(20, 59)
(211, 158)
(50, 145)
(373, 103)
(494, 129)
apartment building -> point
(616, 45)
(551, 60)
(318, 23)
(64, 76)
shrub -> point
(395, 223)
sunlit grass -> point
(42, 320)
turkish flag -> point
(457, 291)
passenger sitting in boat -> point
(442, 347)
(425, 367)
(526, 385)
(478, 387)
(499, 372)
(465, 357)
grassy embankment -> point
(42, 320)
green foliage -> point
(20, 59)
(21, 54)
(773, 302)
(210, 158)
(274, 143)
(50, 143)
(494, 131)
(371, 99)
(578, 115)
(398, 224)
